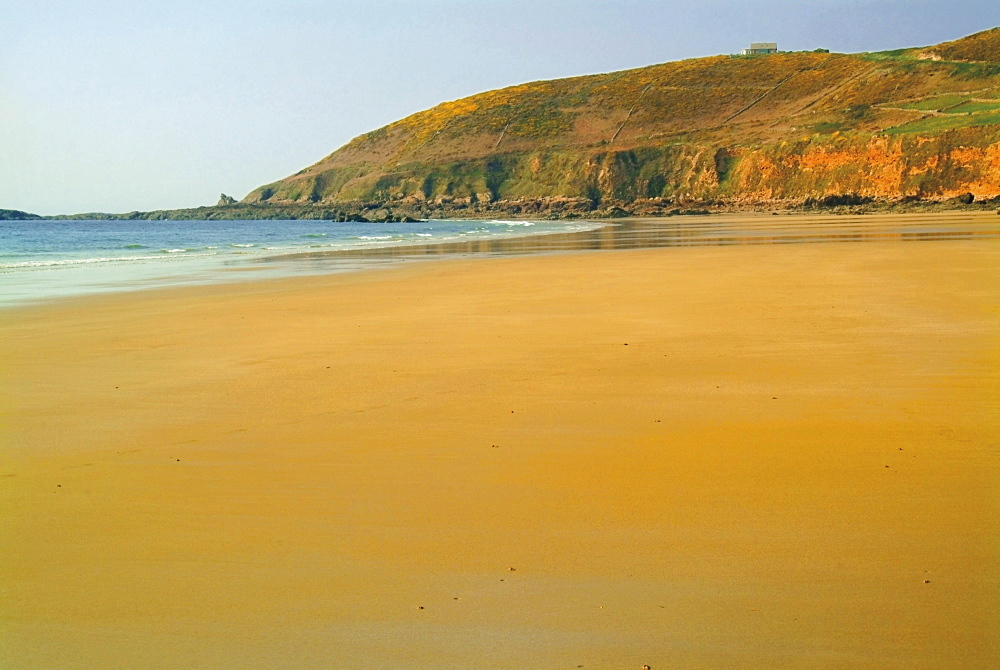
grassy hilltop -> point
(739, 130)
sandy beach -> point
(707, 457)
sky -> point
(119, 105)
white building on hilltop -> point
(757, 48)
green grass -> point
(974, 70)
(935, 104)
(936, 124)
(894, 54)
(972, 106)
(985, 119)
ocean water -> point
(41, 260)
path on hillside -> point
(755, 102)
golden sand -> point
(773, 456)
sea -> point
(43, 260)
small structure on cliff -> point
(759, 48)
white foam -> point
(162, 262)
(75, 261)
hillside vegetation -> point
(923, 123)
(981, 47)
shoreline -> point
(771, 455)
(56, 260)
(746, 228)
(695, 230)
(549, 207)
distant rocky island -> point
(903, 129)
(16, 215)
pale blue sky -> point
(115, 106)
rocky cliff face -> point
(941, 166)
(786, 127)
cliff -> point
(918, 123)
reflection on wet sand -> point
(687, 231)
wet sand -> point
(699, 457)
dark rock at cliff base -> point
(388, 216)
(838, 200)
